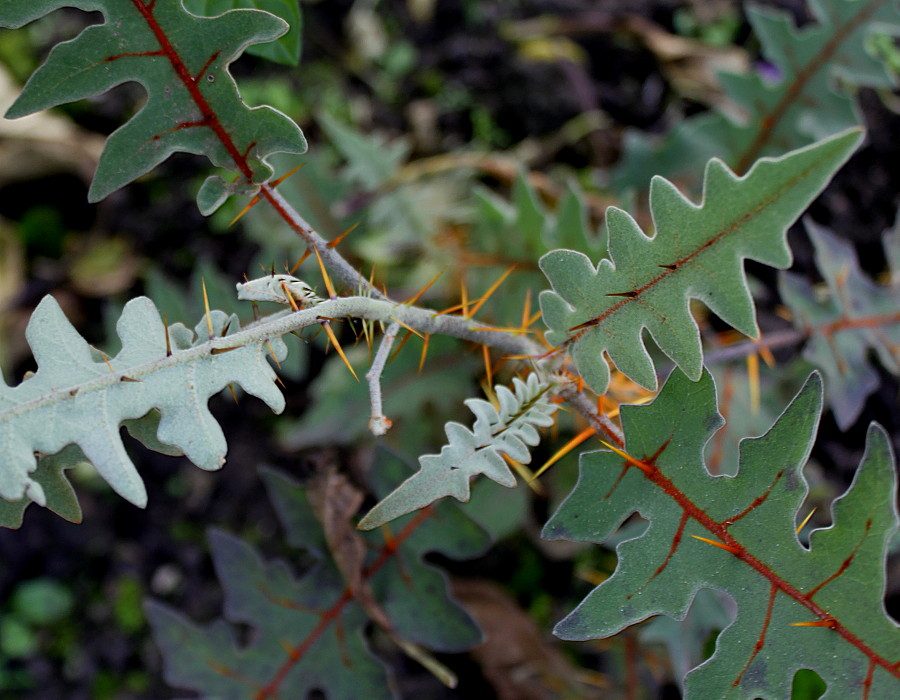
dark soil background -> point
(103, 649)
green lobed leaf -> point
(312, 614)
(78, 398)
(59, 494)
(807, 100)
(857, 316)
(182, 62)
(697, 252)
(370, 162)
(269, 597)
(286, 48)
(775, 581)
(518, 231)
(508, 430)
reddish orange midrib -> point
(209, 116)
(730, 228)
(721, 531)
(768, 122)
(270, 690)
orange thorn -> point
(720, 545)
(827, 622)
(533, 318)
(340, 350)
(368, 335)
(464, 297)
(412, 300)
(220, 351)
(209, 328)
(274, 357)
(411, 330)
(336, 242)
(490, 291)
(253, 203)
(290, 297)
(299, 262)
(424, 352)
(486, 353)
(284, 177)
(524, 472)
(646, 468)
(593, 577)
(565, 449)
(587, 324)
(255, 200)
(331, 293)
(372, 277)
(805, 520)
(753, 381)
(400, 345)
(526, 310)
(233, 393)
(490, 394)
(106, 360)
(389, 539)
(767, 357)
(450, 309)
(168, 340)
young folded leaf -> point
(697, 252)
(858, 315)
(509, 431)
(182, 61)
(819, 608)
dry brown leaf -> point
(335, 501)
(516, 658)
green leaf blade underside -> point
(697, 252)
(182, 61)
(509, 431)
(857, 316)
(773, 579)
(77, 398)
(808, 100)
(312, 614)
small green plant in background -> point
(724, 550)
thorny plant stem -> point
(793, 336)
(445, 324)
(586, 408)
(378, 422)
(779, 339)
(335, 262)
